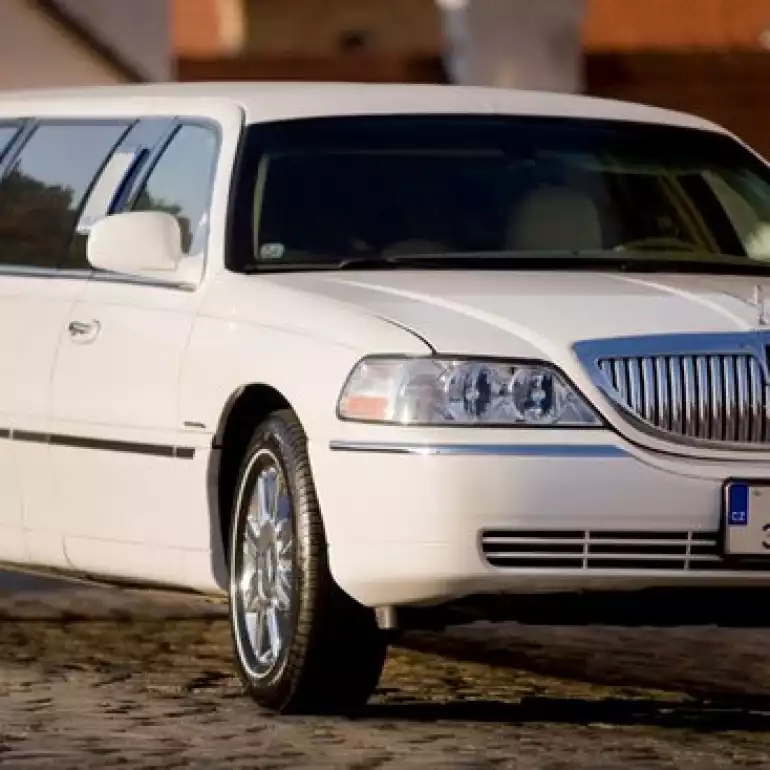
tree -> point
(36, 220)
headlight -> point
(434, 391)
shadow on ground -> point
(705, 679)
(748, 716)
(707, 664)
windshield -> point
(332, 192)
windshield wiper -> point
(506, 260)
(623, 261)
(369, 262)
(461, 259)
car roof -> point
(266, 101)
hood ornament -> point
(759, 305)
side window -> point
(6, 136)
(180, 183)
(42, 192)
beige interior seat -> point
(555, 218)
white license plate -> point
(747, 519)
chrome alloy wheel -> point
(262, 583)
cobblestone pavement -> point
(93, 677)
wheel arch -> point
(245, 408)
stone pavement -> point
(100, 678)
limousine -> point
(362, 358)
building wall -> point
(413, 27)
(35, 52)
(705, 56)
(203, 28)
(306, 27)
(728, 88)
(515, 43)
(137, 30)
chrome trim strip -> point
(676, 394)
(757, 401)
(730, 387)
(744, 399)
(494, 450)
(648, 383)
(18, 271)
(711, 343)
(704, 402)
(690, 397)
(83, 442)
(136, 280)
(717, 411)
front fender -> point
(224, 356)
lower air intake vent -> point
(606, 550)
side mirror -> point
(136, 243)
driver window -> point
(181, 182)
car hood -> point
(541, 314)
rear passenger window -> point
(44, 189)
(180, 183)
(6, 137)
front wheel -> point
(301, 644)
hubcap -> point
(264, 577)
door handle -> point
(83, 331)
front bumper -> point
(440, 517)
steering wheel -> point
(657, 241)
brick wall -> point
(625, 25)
(728, 88)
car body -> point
(136, 370)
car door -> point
(11, 530)
(120, 463)
(44, 182)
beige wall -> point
(138, 30)
(35, 53)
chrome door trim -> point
(19, 271)
(136, 280)
(106, 445)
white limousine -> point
(367, 358)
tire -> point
(331, 653)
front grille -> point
(607, 550)
(716, 398)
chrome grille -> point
(716, 398)
(608, 550)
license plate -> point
(747, 519)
